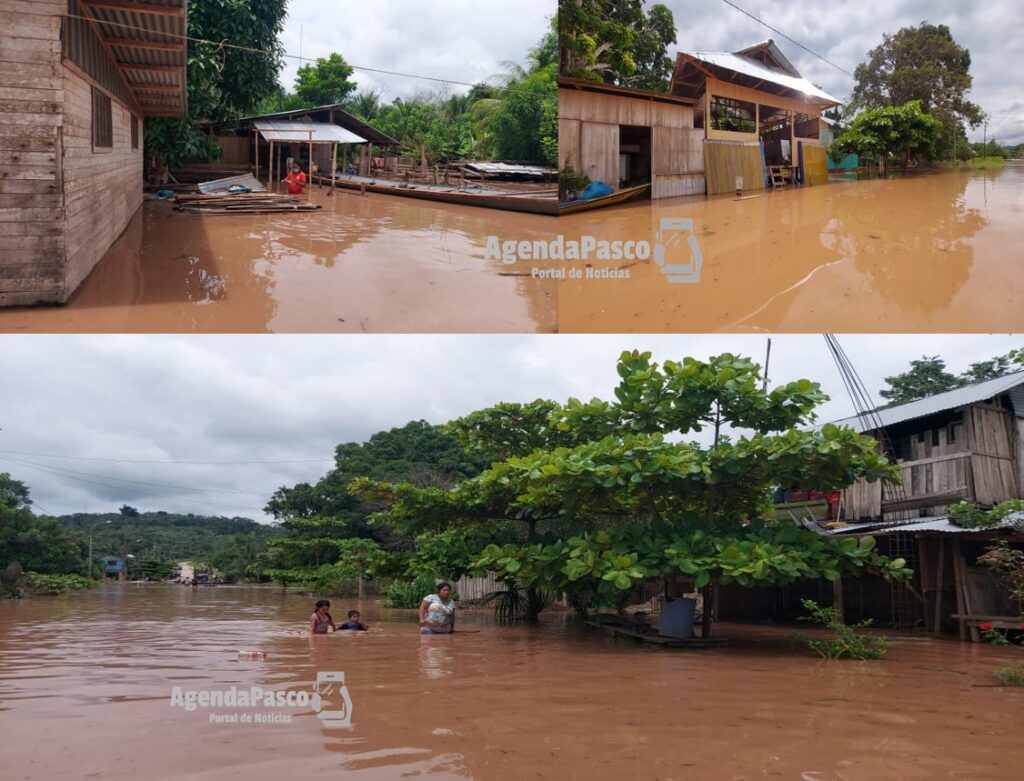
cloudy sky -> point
(843, 31)
(461, 40)
(117, 408)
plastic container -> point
(677, 617)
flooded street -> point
(86, 683)
(373, 263)
(937, 252)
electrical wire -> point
(225, 45)
(157, 461)
(136, 491)
(791, 40)
(140, 482)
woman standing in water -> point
(437, 612)
(320, 623)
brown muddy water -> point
(373, 263)
(938, 253)
(86, 684)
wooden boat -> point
(621, 196)
(488, 198)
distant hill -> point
(170, 536)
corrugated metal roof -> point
(940, 524)
(341, 117)
(322, 132)
(749, 67)
(161, 24)
(961, 397)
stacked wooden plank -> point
(243, 203)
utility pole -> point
(767, 357)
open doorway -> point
(634, 155)
(775, 128)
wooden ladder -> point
(777, 174)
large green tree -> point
(904, 132)
(223, 83)
(326, 81)
(928, 376)
(37, 544)
(599, 495)
(922, 63)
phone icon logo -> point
(331, 700)
(671, 243)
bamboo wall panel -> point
(599, 152)
(31, 106)
(815, 164)
(103, 189)
(725, 160)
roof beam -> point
(134, 7)
(135, 66)
(128, 43)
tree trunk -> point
(360, 581)
(423, 159)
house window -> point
(951, 433)
(735, 115)
(935, 437)
(135, 132)
(102, 121)
(920, 436)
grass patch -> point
(977, 162)
(1011, 675)
(846, 642)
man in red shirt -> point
(296, 180)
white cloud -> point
(294, 398)
(461, 40)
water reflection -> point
(93, 673)
(362, 263)
(932, 252)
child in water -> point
(320, 622)
(353, 622)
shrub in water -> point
(409, 593)
(846, 643)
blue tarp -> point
(595, 190)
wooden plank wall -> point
(725, 160)
(863, 500)
(234, 149)
(1018, 425)
(815, 164)
(31, 95)
(588, 137)
(102, 188)
(677, 162)
(599, 152)
(992, 458)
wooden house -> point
(626, 137)
(264, 143)
(77, 77)
(727, 116)
(966, 444)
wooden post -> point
(958, 586)
(256, 141)
(270, 166)
(334, 163)
(837, 598)
(938, 588)
(309, 193)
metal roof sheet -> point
(940, 524)
(940, 402)
(322, 132)
(749, 67)
(341, 117)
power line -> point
(791, 40)
(141, 482)
(225, 45)
(50, 471)
(157, 461)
